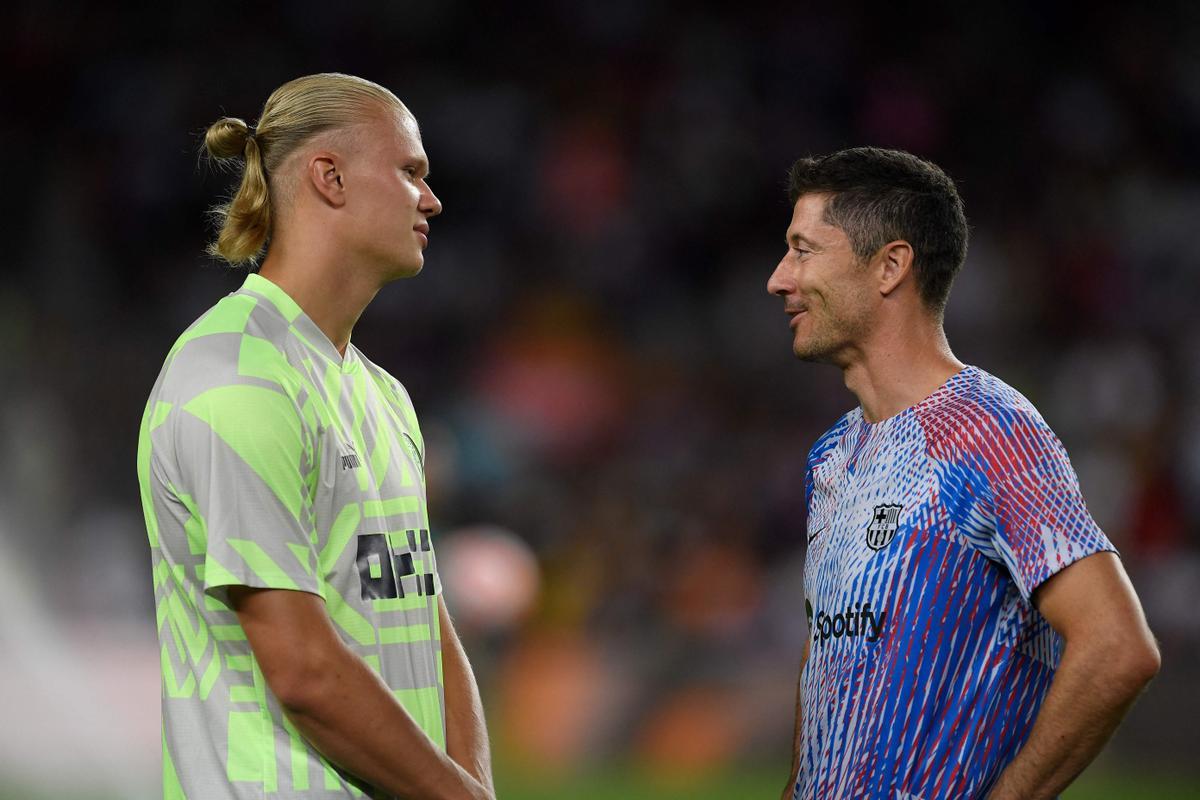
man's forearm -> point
(789, 787)
(797, 732)
(466, 730)
(339, 704)
(1092, 690)
(355, 722)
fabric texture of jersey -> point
(267, 460)
(927, 534)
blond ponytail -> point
(292, 115)
(246, 219)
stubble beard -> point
(820, 348)
(833, 333)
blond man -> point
(306, 649)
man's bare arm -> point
(797, 733)
(339, 704)
(1108, 658)
(466, 730)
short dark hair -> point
(878, 196)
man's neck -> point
(895, 372)
(333, 295)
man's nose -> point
(779, 282)
(430, 204)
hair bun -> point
(226, 138)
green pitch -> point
(628, 784)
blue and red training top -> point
(927, 534)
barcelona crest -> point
(885, 521)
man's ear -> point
(895, 265)
(325, 174)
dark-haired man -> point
(972, 632)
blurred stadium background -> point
(616, 427)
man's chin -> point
(408, 270)
(812, 352)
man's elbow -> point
(1135, 662)
(1147, 663)
(304, 684)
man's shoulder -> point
(239, 341)
(975, 410)
(829, 440)
(228, 315)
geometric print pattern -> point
(927, 661)
(266, 459)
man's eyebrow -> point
(422, 165)
(797, 238)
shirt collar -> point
(295, 317)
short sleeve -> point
(1041, 523)
(246, 463)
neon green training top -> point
(265, 459)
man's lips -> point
(796, 314)
(423, 231)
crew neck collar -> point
(294, 315)
(932, 397)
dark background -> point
(602, 378)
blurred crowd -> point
(599, 369)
